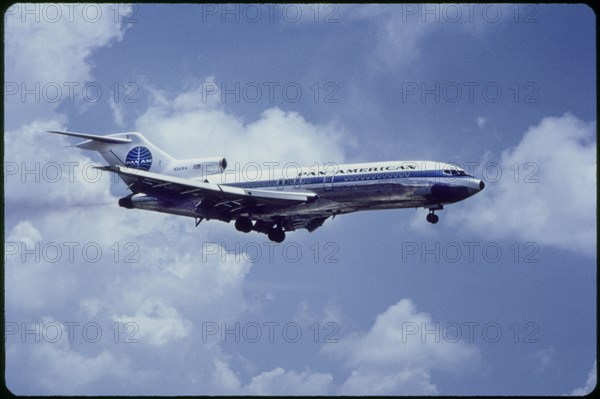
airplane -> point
(279, 202)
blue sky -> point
(497, 298)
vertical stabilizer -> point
(130, 149)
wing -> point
(218, 201)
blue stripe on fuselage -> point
(354, 177)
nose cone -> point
(447, 193)
(475, 188)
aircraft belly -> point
(379, 195)
(336, 199)
(322, 206)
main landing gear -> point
(243, 224)
(432, 217)
(275, 233)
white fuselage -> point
(353, 187)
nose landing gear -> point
(432, 217)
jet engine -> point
(200, 166)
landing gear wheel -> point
(433, 218)
(243, 224)
(276, 235)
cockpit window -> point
(454, 172)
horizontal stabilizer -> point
(101, 139)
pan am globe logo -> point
(139, 158)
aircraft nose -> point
(476, 187)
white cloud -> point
(53, 43)
(166, 296)
(70, 372)
(224, 378)
(394, 357)
(402, 29)
(481, 121)
(543, 189)
(402, 382)
(24, 232)
(57, 368)
(330, 314)
(38, 165)
(118, 112)
(281, 382)
(47, 54)
(590, 383)
(193, 125)
(544, 358)
(398, 38)
(158, 322)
